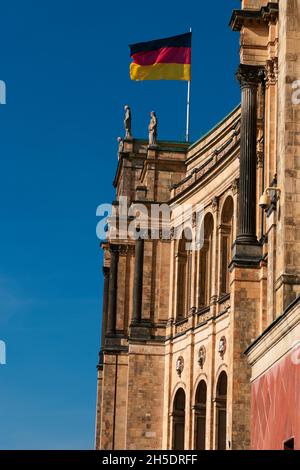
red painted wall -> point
(276, 405)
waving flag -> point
(162, 59)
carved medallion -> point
(201, 356)
(179, 365)
(222, 347)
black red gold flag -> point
(162, 59)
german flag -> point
(162, 59)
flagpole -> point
(188, 109)
(187, 135)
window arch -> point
(221, 412)
(184, 275)
(226, 244)
(179, 420)
(206, 262)
(200, 416)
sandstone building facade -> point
(198, 345)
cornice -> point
(265, 15)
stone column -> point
(138, 281)
(140, 328)
(112, 291)
(246, 247)
(105, 303)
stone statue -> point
(120, 144)
(127, 123)
(153, 130)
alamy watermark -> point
(124, 221)
(296, 93)
(2, 92)
(296, 353)
(2, 353)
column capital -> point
(249, 75)
(114, 248)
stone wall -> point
(288, 160)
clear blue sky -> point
(66, 68)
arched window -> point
(226, 244)
(184, 275)
(178, 420)
(206, 262)
(221, 412)
(200, 416)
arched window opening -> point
(206, 262)
(184, 275)
(179, 420)
(226, 244)
(200, 416)
(221, 412)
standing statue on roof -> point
(153, 130)
(127, 123)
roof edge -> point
(275, 322)
(219, 124)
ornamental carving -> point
(222, 347)
(204, 317)
(114, 248)
(271, 71)
(179, 365)
(235, 186)
(260, 159)
(194, 219)
(249, 75)
(215, 204)
(123, 250)
(201, 356)
(182, 327)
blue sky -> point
(65, 64)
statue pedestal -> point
(128, 145)
(152, 151)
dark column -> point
(140, 329)
(105, 303)
(249, 80)
(246, 247)
(104, 312)
(112, 291)
(138, 280)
